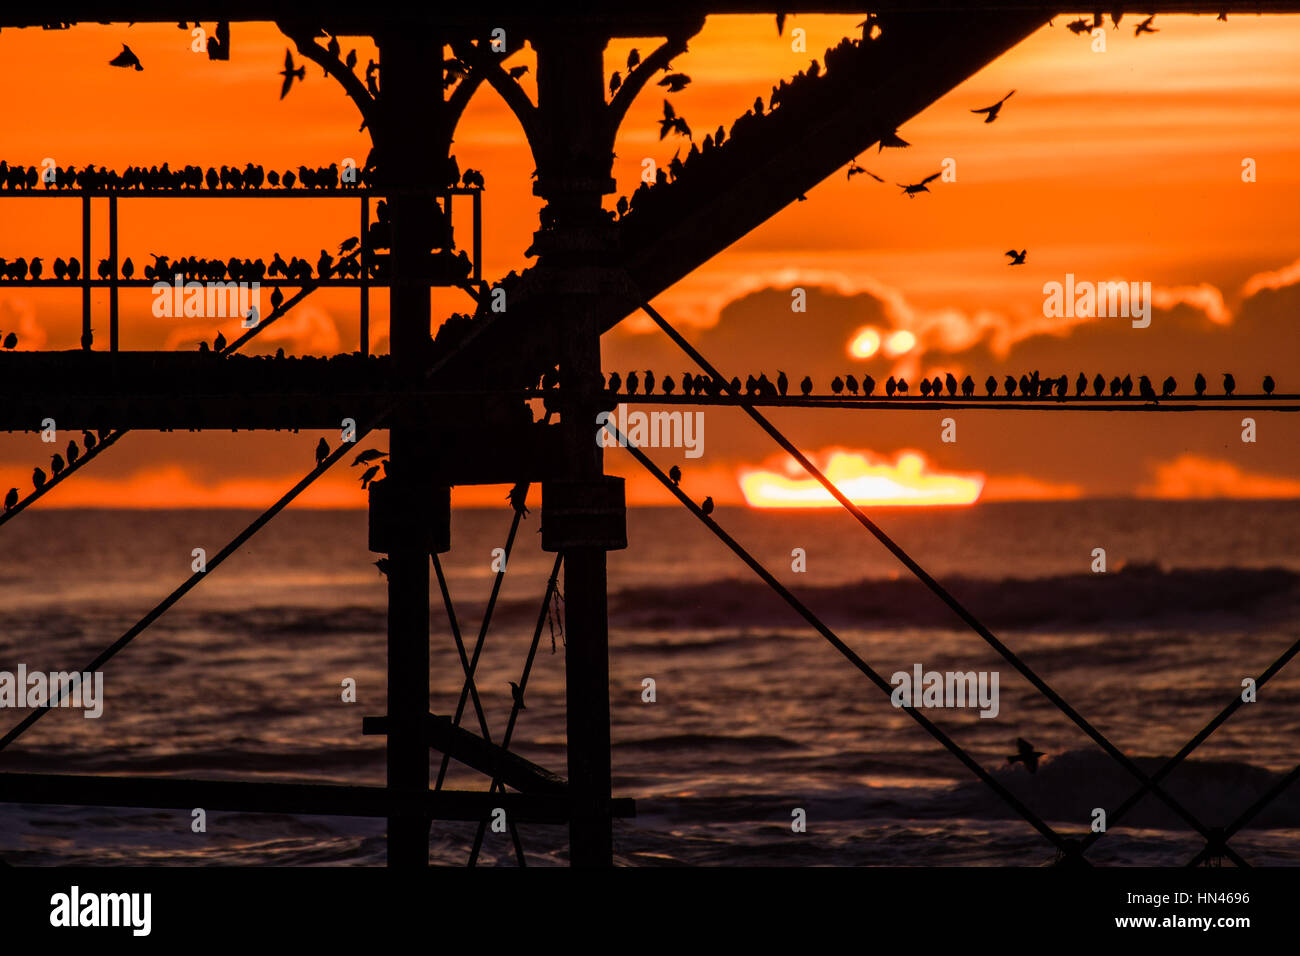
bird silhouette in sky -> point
(1168, 386)
(892, 140)
(1078, 26)
(675, 475)
(856, 170)
(1026, 754)
(517, 695)
(1268, 385)
(672, 123)
(676, 82)
(126, 59)
(633, 58)
(322, 451)
(38, 478)
(806, 386)
(1229, 383)
(912, 190)
(1199, 384)
(515, 72)
(615, 81)
(993, 110)
(290, 73)
(707, 507)
(11, 499)
(1017, 258)
(1145, 27)
(367, 456)
(368, 476)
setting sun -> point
(907, 480)
(865, 344)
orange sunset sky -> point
(1121, 164)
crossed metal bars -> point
(1072, 850)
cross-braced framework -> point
(593, 269)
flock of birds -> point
(252, 176)
(163, 269)
(1030, 386)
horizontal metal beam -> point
(481, 755)
(620, 18)
(315, 799)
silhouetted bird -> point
(60, 269)
(1010, 384)
(56, 464)
(950, 381)
(517, 496)
(1199, 384)
(517, 71)
(991, 386)
(88, 439)
(633, 58)
(1017, 258)
(925, 387)
(37, 268)
(1268, 385)
(1229, 383)
(912, 190)
(851, 384)
(868, 385)
(615, 81)
(38, 478)
(707, 507)
(1144, 388)
(11, 499)
(1098, 384)
(1126, 386)
(219, 343)
(128, 268)
(1167, 386)
(902, 386)
(369, 455)
(633, 383)
(649, 381)
(74, 268)
(1114, 386)
(1078, 26)
(994, 110)
(73, 452)
(891, 386)
(672, 123)
(892, 141)
(126, 59)
(782, 383)
(676, 82)
(1145, 27)
(668, 385)
(382, 565)
(968, 386)
(518, 695)
(277, 297)
(675, 475)
(1026, 754)
(806, 386)
(322, 451)
(1081, 384)
(290, 73)
(615, 382)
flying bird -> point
(914, 188)
(1026, 754)
(1017, 258)
(993, 110)
(1078, 26)
(1145, 27)
(855, 169)
(289, 73)
(126, 59)
(892, 140)
(676, 82)
(369, 455)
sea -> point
(762, 746)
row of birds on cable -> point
(165, 179)
(58, 465)
(197, 268)
(19, 178)
(1034, 386)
